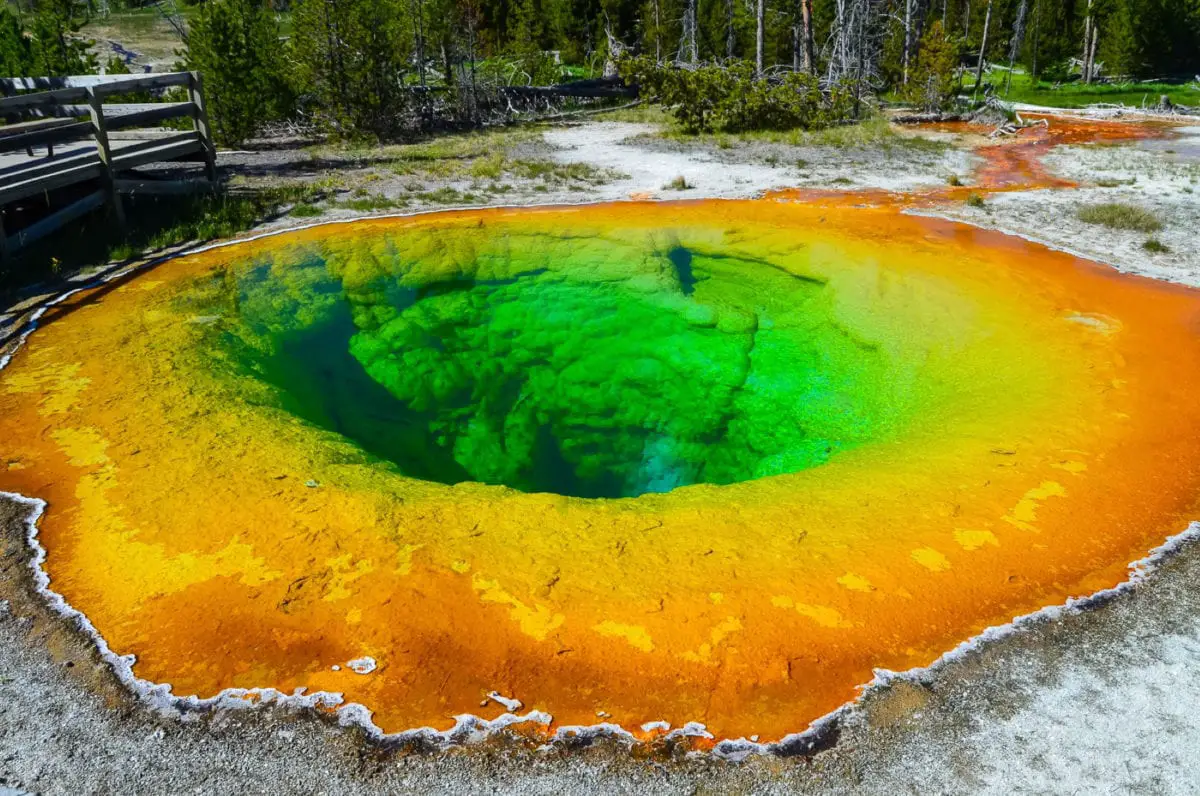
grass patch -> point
(1118, 215)
(305, 210)
(677, 184)
(485, 156)
(975, 200)
(1108, 183)
(953, 180)
(641, 114)
(1155, 246)
(1077, 95)
(872, 132)
(372, 203)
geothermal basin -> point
(635, 464)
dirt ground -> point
(1097, 700)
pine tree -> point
(235, 45)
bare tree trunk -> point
(758, 48)
(987, 21)
(1014, 46)
(689, 45)
(658, 31)
(1091, 61)
(796, 41)
(418, 12)
(907, 36)
(1033, 72)
(1087, 37)
(730, 30)
(810, 60)
(839, 43)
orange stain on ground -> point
(1007, 164)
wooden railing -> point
(76, 116)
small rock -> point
(363, 665)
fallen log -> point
(927, 118)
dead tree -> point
(1087, 38)
(914, 17)
(802, 37)
(761, 16)
(1091, 58)
(907, 54)
(730, 30)
(987, 22)
(689, 43)
(855, 43)
(658, 31)
(418, 13)
(1033, 72)
(806, 35)
(1018, 38)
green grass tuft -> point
(1118, 215)
(305, 210)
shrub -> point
(1155, 246)
(677, 184)
(733, 98)
(975, 200)
(1116, 215)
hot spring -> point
(605, 368)
(711, 462)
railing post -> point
(5, 254)
(96, 105)
(200, 117)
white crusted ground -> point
(745, 170)
(1160, 176)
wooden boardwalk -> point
(70, 144)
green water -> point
(593, 379)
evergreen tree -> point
(57, 47)
(354, 57)
(235, 45)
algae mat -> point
(637, 463)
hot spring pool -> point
(606, 368)
(708, 462)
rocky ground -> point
(1101, 700)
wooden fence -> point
(66, 132)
